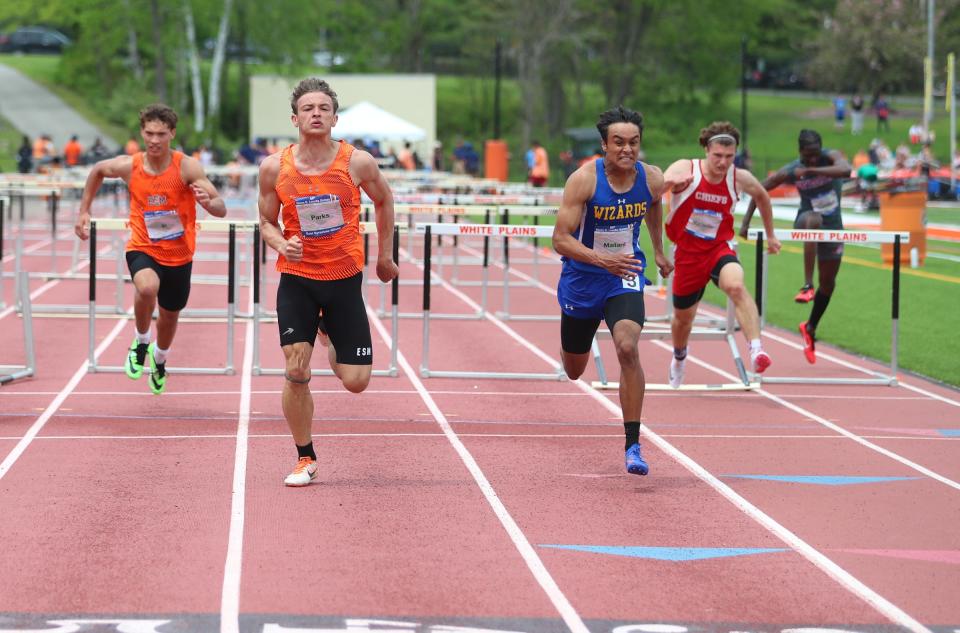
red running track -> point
(465, 504)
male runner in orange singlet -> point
(314, 185)
(165, 186)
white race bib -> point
(614, 240)
(319, 215)
(704, 223)
(826, 203)
(162, 225)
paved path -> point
(34, 110)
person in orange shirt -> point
(315, 184)
(72, 152)
(165, 186)
(132, 147)
(540, 172)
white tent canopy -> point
(365, 120)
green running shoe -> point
(158, 372)
(135, 359)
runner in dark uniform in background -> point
(818, 175)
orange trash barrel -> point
(904, 211)
(496, 160)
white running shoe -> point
(676, 372)
(304, 472)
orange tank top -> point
(163, 213)
(324, 211)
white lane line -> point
(57, 401)
(695, 436)
(830, 425)
(834, 571)
(536, 566)
(233, 565)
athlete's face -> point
(622, 146)
(720, 157)
(810, 155)
(315, 113)
(157, 137)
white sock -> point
(755, 346)
(143, 338)
(160, 355)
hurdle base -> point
(788, 380)
(724, 386)
(271, 371)
(206, 371)
(431, 373)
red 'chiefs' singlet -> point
(701, 215)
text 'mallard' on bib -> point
(319, 215)
(162, 225)
(614, 240)
(704, 223)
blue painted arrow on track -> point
(669, 553)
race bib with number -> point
(319, 215)
(826, 203)
(162, 225)
(615, 240)
(704, 223)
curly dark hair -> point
(159, 112)
(618, 115)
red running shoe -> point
(808, 343)
(761, 361)
(805, 295)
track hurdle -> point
(489, 230)
(258, 315)
(9, 373)
(231, 227)
(897, 238)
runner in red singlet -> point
(700, 225)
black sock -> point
(679, 354)
(632, 430)
(820, 302)
(306, 451)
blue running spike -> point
(634, 461)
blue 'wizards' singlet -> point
(610, 222)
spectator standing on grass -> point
(25, 156)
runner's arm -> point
(839, 169)
(269, 204)
(366, 170)
(654, 218)
(678, 176)
(117, 167)
(203, 190)
(759, 198)
(773, 181)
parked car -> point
(34, 39)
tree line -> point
(563, 55)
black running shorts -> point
(576, 335)
(174, 280)
(299, 301)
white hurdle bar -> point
(9, 373)
(486, 230)
(366, 228)
(231, 227)
(897, 238)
